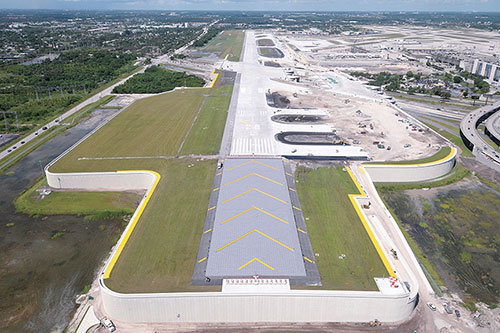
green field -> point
(334, 228)
(229, 42)
(80, 203)
(161, 252)
(442, 153)
(206, 135)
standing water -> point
(40, 276)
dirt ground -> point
(369, 122)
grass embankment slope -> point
(161, 252)
(229, 42)
(334, 229)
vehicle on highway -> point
(457, 313)
(9, 150)
(14, 147)
(407, 145)
(44, 128)
(36, 133)
(23, 142)
(432, 306)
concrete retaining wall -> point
(101, 181)
(295, 306)
(413, 172)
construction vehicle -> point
(375, 323)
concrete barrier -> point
(292, 306)
(407, 173)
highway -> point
(470, 135)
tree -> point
(457, 79)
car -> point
(362, 132)
(36, 133)
(108, 324)
(457, 313)
(376, 142)
(44, 128)
(14, 147)
(431, 306)
(23, 142)
(447, 308)
(220, 165)
(9, 150)
(407, 145)
(57, 120)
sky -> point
(263, 5)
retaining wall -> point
(295, 306)
(400, 173)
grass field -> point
(161, 252)
(334, 228)
(80, 203)
(154, 126)
(229, 42)
(206, 135)
(442, 153)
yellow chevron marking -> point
(291, 189)
(253, 174)
(260, 232)
(250, 190)
(263, 263)
(252, 161)
(252, 208)
(215, 189)
(306, 258)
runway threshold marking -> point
(202, 260)
(252, 208)
(257, 190)
(365, 223)
(133, 222)
(250, 232)
(252, 161)
(256, 259)
(253, 174)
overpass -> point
(493, 128)
(473, 140)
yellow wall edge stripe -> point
(450, 155)
(365, 224)
(119, 250)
